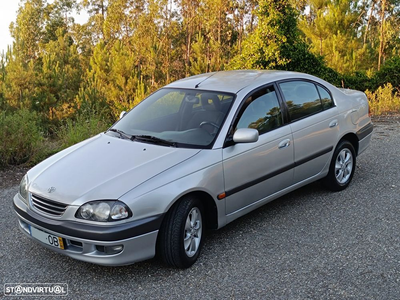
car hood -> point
(100, 168)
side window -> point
(326, 98)
(262, 111)
(302, 98)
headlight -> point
(23, 188)
(103, 211)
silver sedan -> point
(195, 155)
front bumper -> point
(87, 242)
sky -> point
(8, 14)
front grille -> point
(48, 206)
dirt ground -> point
(11, 176)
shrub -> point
(390, 72)
(83, 127)
(384, 100)
(357, 81)
(20, 135)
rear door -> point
(314, 123)
(254, 171)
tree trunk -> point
(320, 45)
(369, 21)
(381, 42)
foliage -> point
(389, 73)
(384, 100)
(83, 127)
(302, 60)
(357, 81)
(352, 35)
(21, 136)
(62, 71)
(264, 48)
(276, 44)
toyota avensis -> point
(195, 155)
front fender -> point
(203, 172)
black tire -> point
(339, 178)
(173, 233)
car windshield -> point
(176, 117)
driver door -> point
(257, 170)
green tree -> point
(111, 83)
(59, 80)
(97, 10)
(276, 44)
(332, 27)
(277, 27)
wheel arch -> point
(210, 207)
(352, 138)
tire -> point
(341, 169)
(182, 232)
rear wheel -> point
(181, 235)
(342, 167)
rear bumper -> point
(364, 137)
(84, 241)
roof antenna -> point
(197, 85)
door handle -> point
(284, 144)
(332, 124)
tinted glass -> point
(262, 112)
(186, 117)
(166, 105)
(326, 98)
(301, 98)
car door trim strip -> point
(277, 172)
(314, 156)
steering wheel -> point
(209, 123)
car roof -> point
(235, 80)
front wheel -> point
(181, 235)
(342, 167)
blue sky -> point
(8, 14)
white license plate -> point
(47, 238)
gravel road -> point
(309, 244)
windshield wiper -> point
(153, 140)
(122, 134)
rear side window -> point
(302, 98)
(326, 98)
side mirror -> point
(122, 114)
(245, 135)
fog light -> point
(110, 249)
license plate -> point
(47, 238)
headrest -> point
(215, 103)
